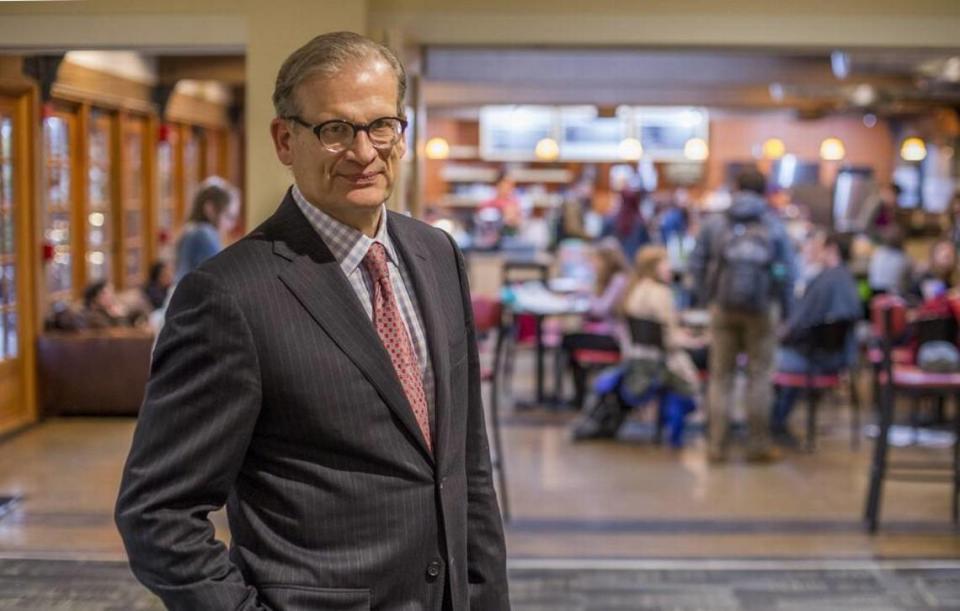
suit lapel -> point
(315, 278)
(420, 270)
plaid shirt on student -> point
(349, 247)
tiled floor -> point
(42, 585)
(616, 499)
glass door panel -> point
(99, 222)
(58, 151)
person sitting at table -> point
(598, 332)
(649, 297)
(831, 296)
(938, 275)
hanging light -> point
(630, 149)
(832, 149)
(437, 148)
(913, 149)
(547, 149)
(696, 149)
(774, 148)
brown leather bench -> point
(93, 372)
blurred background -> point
(574, 152)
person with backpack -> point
(743, 269)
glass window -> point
(8, 271)
(10, 332)
(57, 132)
(99, 215)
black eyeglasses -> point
(338, 135)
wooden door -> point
(15, 278)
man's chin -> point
(367, 198)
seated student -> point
(102, 309)
(889, 271)
(158, 284)
(611, 275)
(938, 274)
(650, 297)
(830, 297)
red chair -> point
(488, 321)
(825, 340)
(896, 379)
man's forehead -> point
(362, 70)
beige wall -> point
(736, 138)
(754, 23)
(267, 29)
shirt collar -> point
(348, 245)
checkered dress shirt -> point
(349, 247)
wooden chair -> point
(898, 379)
(824, 341)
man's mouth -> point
(364, 178)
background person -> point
(831, 296)
(743, 267)
(213, 215)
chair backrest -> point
(645, 332)
(520, 270)
(830, 337)
(896, 307)
(933, 329)
(487, 314)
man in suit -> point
(320, 377)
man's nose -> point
(362, 150)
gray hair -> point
(326, 54)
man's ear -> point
(282, 139)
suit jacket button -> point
(433, 570)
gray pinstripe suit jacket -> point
(271, 392)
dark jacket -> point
(272, 393)
(746, 207)
(832, 296)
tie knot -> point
(376, 261)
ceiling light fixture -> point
(840, 64)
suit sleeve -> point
(486, 551)
(195, 424)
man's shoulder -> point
(409, 228)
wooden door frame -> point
(25, 104)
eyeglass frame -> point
(356, 127)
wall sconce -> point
(774, 148)
(832, 149)
(437, 148)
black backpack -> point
(744, 270)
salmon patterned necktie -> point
(389, 323)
